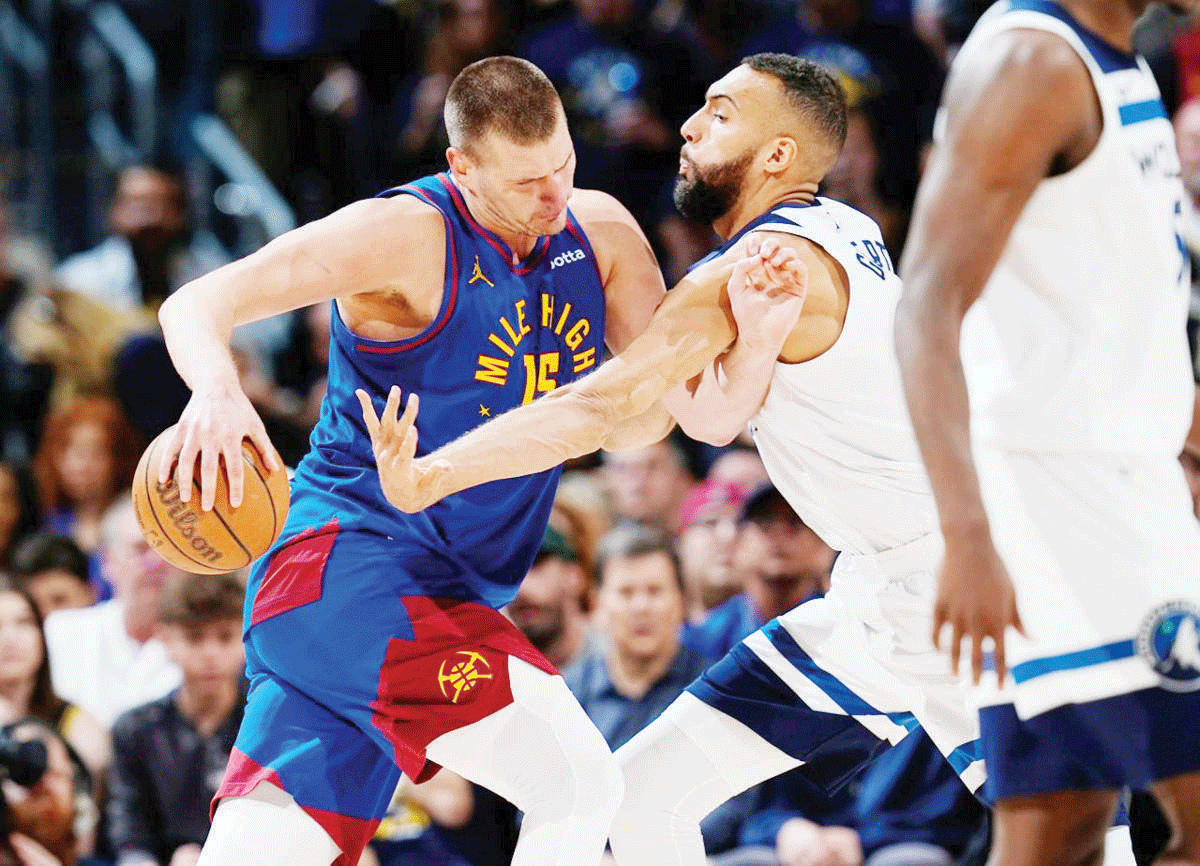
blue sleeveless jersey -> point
(505, 334)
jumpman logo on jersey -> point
(478, 274)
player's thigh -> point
(1061, 828)
(266, 827)
(1179, 798)
(539, 750)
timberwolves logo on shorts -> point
(1169, 640)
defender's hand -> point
(976, 598)
(767, 291)
(212, 426)
(407, 483)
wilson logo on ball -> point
(184, 519)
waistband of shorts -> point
(920, 554)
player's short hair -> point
(506, 95)
(633, 540)
(198, 600)
(811, 90)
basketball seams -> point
(151, 463)
(270, 498)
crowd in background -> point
(656, 561)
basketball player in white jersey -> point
(1045, 278)
(827, 683)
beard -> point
(711, 192)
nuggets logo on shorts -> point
(1169, 641)
(457, 677)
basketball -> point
(209, 542)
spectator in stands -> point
(708, 526)
(84, 464)
(840, 35)
(54, 571)
(169, 754)
(782, 562)
(551, 605)
(148, 254)
(627, 84)
(648, 484)
(44, 819)
(738, 464)
(466, 31)
(18, 514)
(25, 381)
(107, 658)
(416, 827)
(25, 688)
(625, 681)
(854, 178)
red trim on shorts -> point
(497, 244)
(351, 835)
(295, 574)
(452, 289)
(452, 673)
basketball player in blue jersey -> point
(373, 641)
(1045, 278)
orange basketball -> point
(209, 542)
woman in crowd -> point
(85, 461)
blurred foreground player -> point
(1050, 211)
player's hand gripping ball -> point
(209, 542)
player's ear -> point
(781, 154)
(459, 161)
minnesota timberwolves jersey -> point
(1078, 344)
(834, 432)
(506, 334)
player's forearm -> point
(560, 426)
(197, 333)
(927, 345)
(642, 430)
(717, 407)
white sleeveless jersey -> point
(834, 432)
(1078, 344)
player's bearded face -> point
(708, 192)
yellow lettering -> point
(493, 370)
(530, 379)
(577, 333)
(504, 347)
(539, 375)
(512, 335)
(547, 310)
(584, 359)
(522, 328)
(562, 320)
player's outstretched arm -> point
(352, 251)
(1009, 115)
(687, 332)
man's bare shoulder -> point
(600, 213)
(1021, 65)
(399, 216)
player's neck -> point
(746, 210)
(1112, 20)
